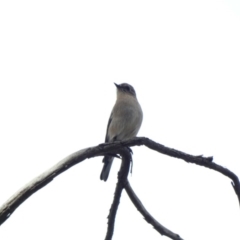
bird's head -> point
(125, 88)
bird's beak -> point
(117, 85)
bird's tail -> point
(107, 160)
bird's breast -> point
(126, 119)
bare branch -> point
(113, 148)
(199, 160)
(160, 228)
(18, 198)
(122, 178)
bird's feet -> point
(113, 155)
(130, 150)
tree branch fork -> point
(120, 148)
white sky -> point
(58, 62)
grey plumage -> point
(124, 122)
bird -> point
(124, 122)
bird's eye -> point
(128, 88)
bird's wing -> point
(109, 122)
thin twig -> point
(150, 219)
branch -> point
(122, 178)
(19, 197)
(199, 160)
(11, 205)
(160, 228)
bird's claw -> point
(130, 150)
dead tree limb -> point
(113, 148)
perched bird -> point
(124, 122)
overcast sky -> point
(58, 62)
